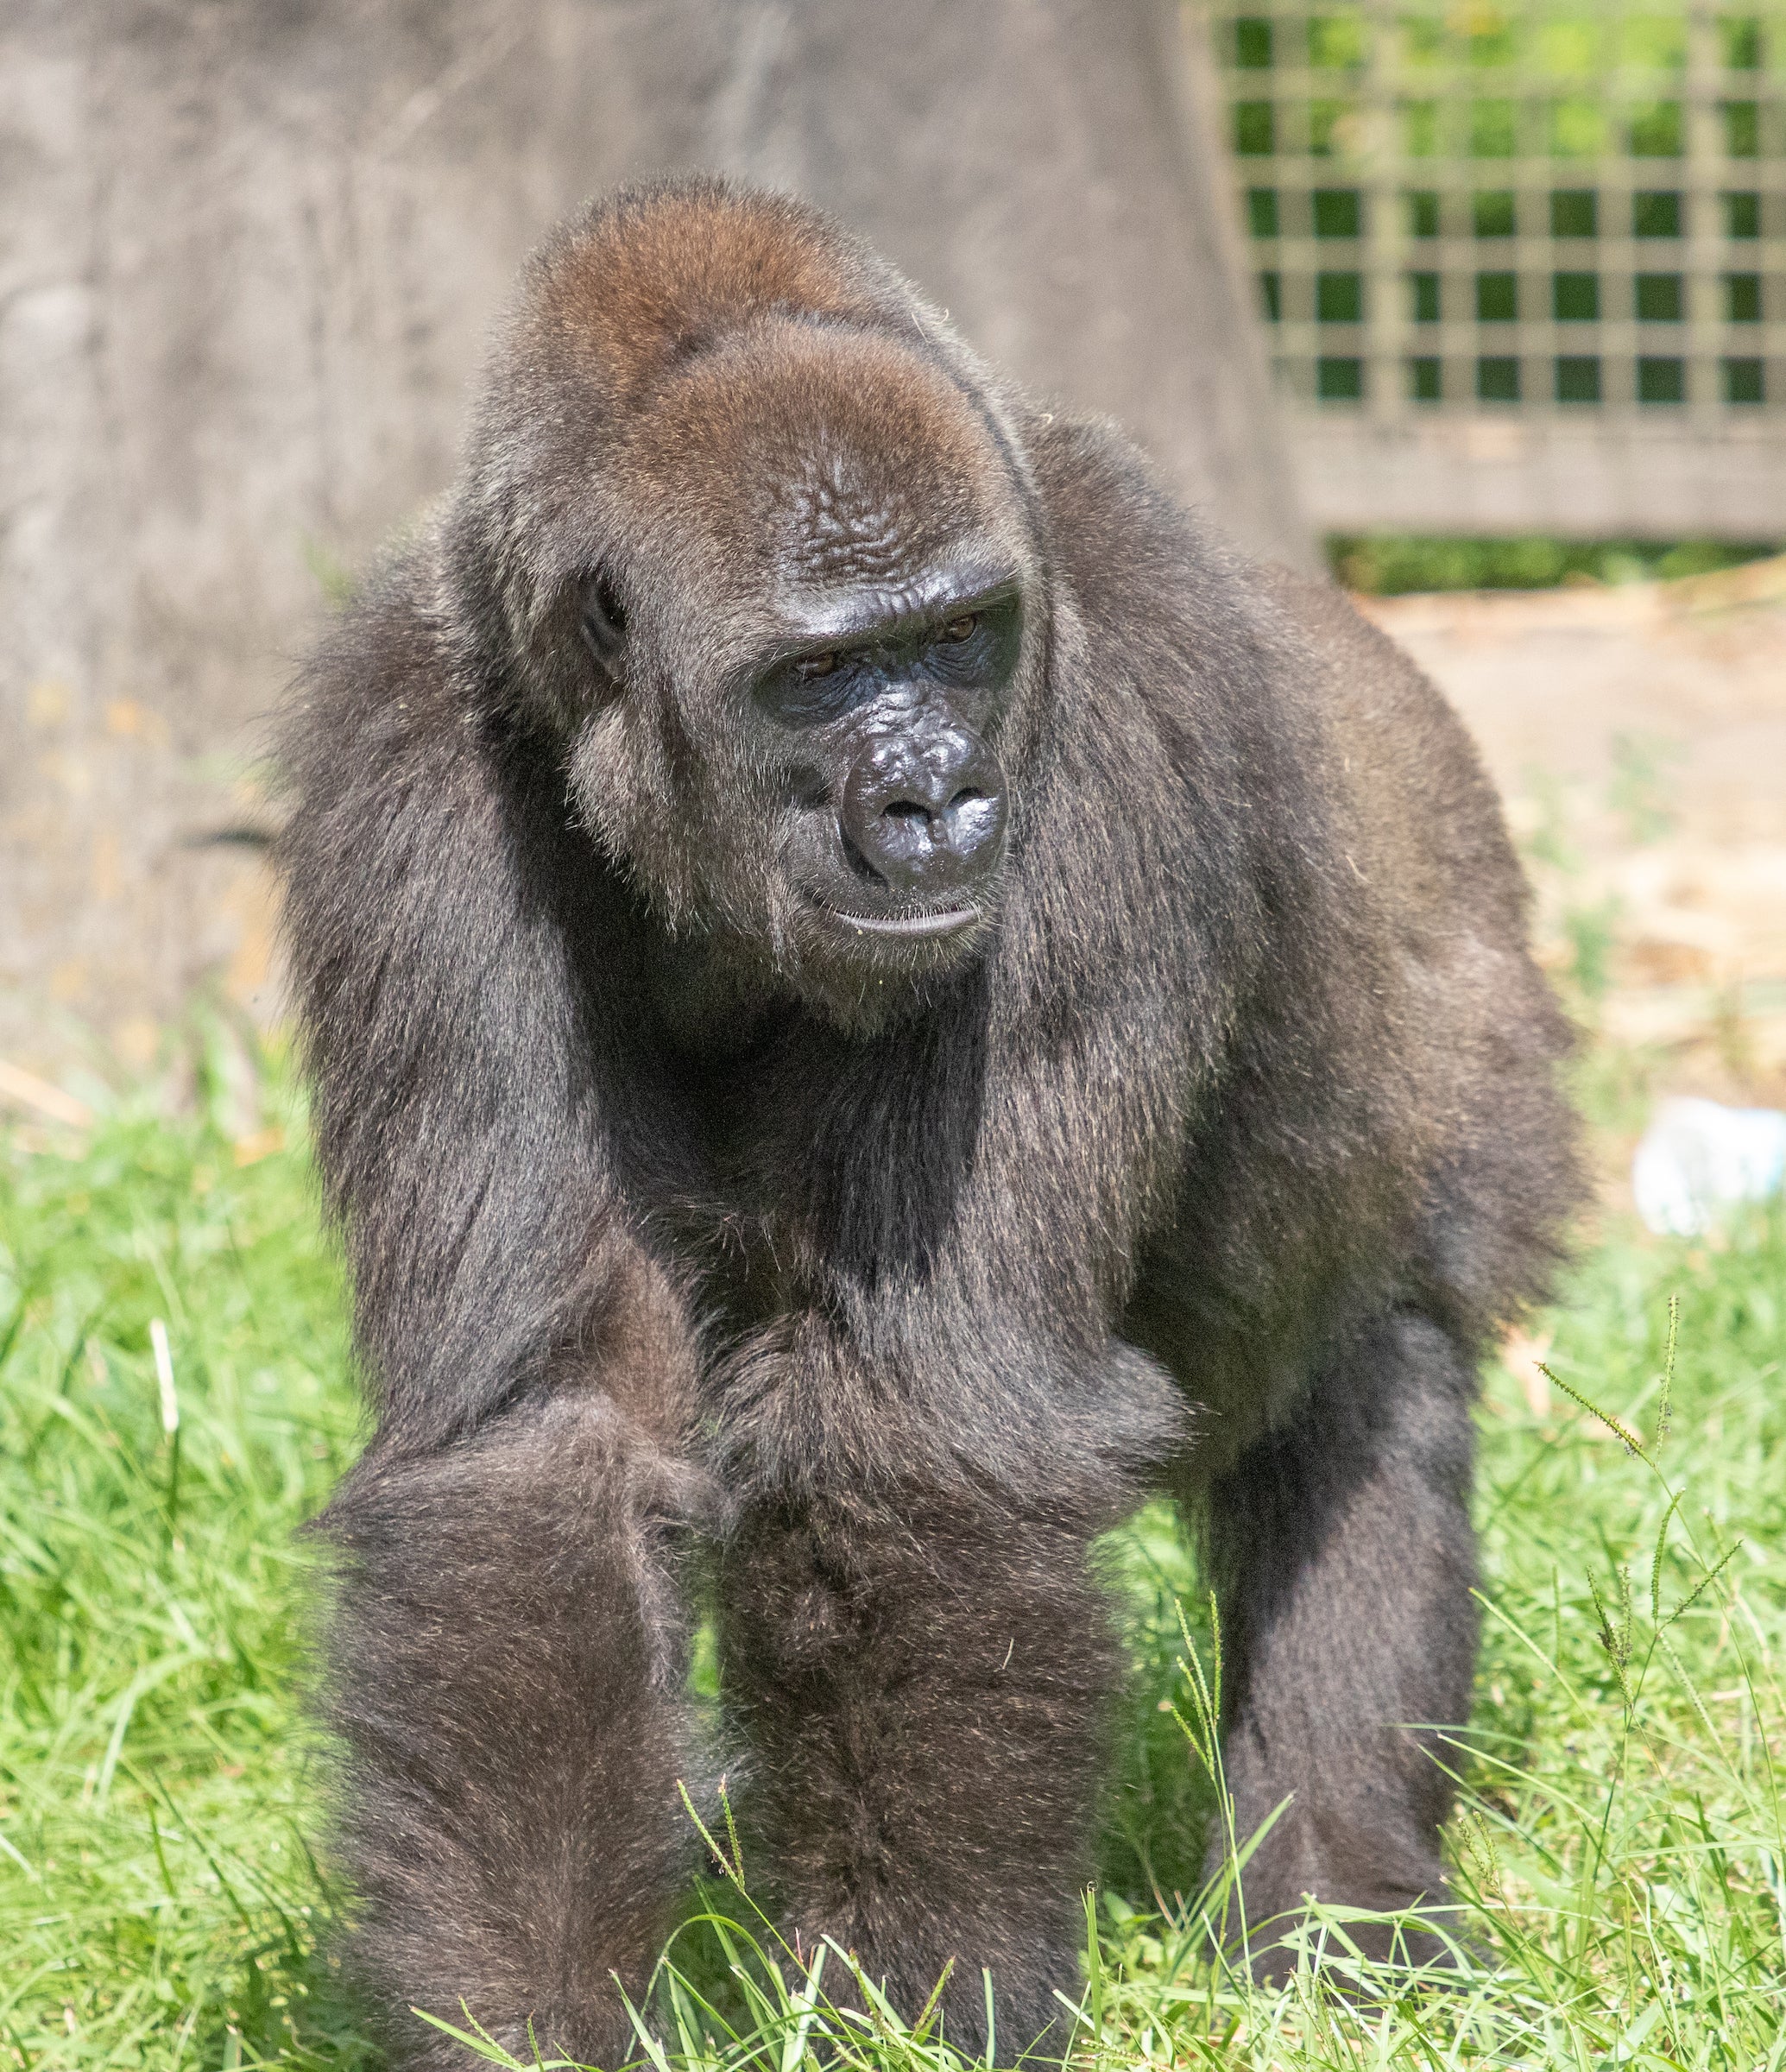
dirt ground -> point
(1639, 737)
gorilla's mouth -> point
(905, 926)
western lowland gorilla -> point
(874, 996)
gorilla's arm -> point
(1359, 1215)
(463, 1062)
(1343, 1558)
(506, 1656)
(508, 1666)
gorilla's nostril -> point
(969, 795)
(906, 809)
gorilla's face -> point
(810, 662)
(892, 793)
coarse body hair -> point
(694, 1259)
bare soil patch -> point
(1638, 734)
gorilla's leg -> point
(926, 1686)
(1343, 1560)
(506, 1660)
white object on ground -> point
(1698, 1157)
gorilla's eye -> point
(958, 630)
(604, 620)
(817, 665)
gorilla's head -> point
(749, 532)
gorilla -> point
(875, 997)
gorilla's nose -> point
(926, 810)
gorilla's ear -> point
(604, 622)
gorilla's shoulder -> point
(1173, 610)
(1115, 526)
(1365, 758)
(382, 681)
(1421, 808)
(1162, 583)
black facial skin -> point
(874, 999)
(902, 796)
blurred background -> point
(1482, 302)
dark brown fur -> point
(1209, 1162)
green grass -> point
(1390, 564)
(1621, 1843)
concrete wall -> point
(248, 255)
(1534, 472)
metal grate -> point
(1566, 209)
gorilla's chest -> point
(819, 1170)
(806, 1173)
